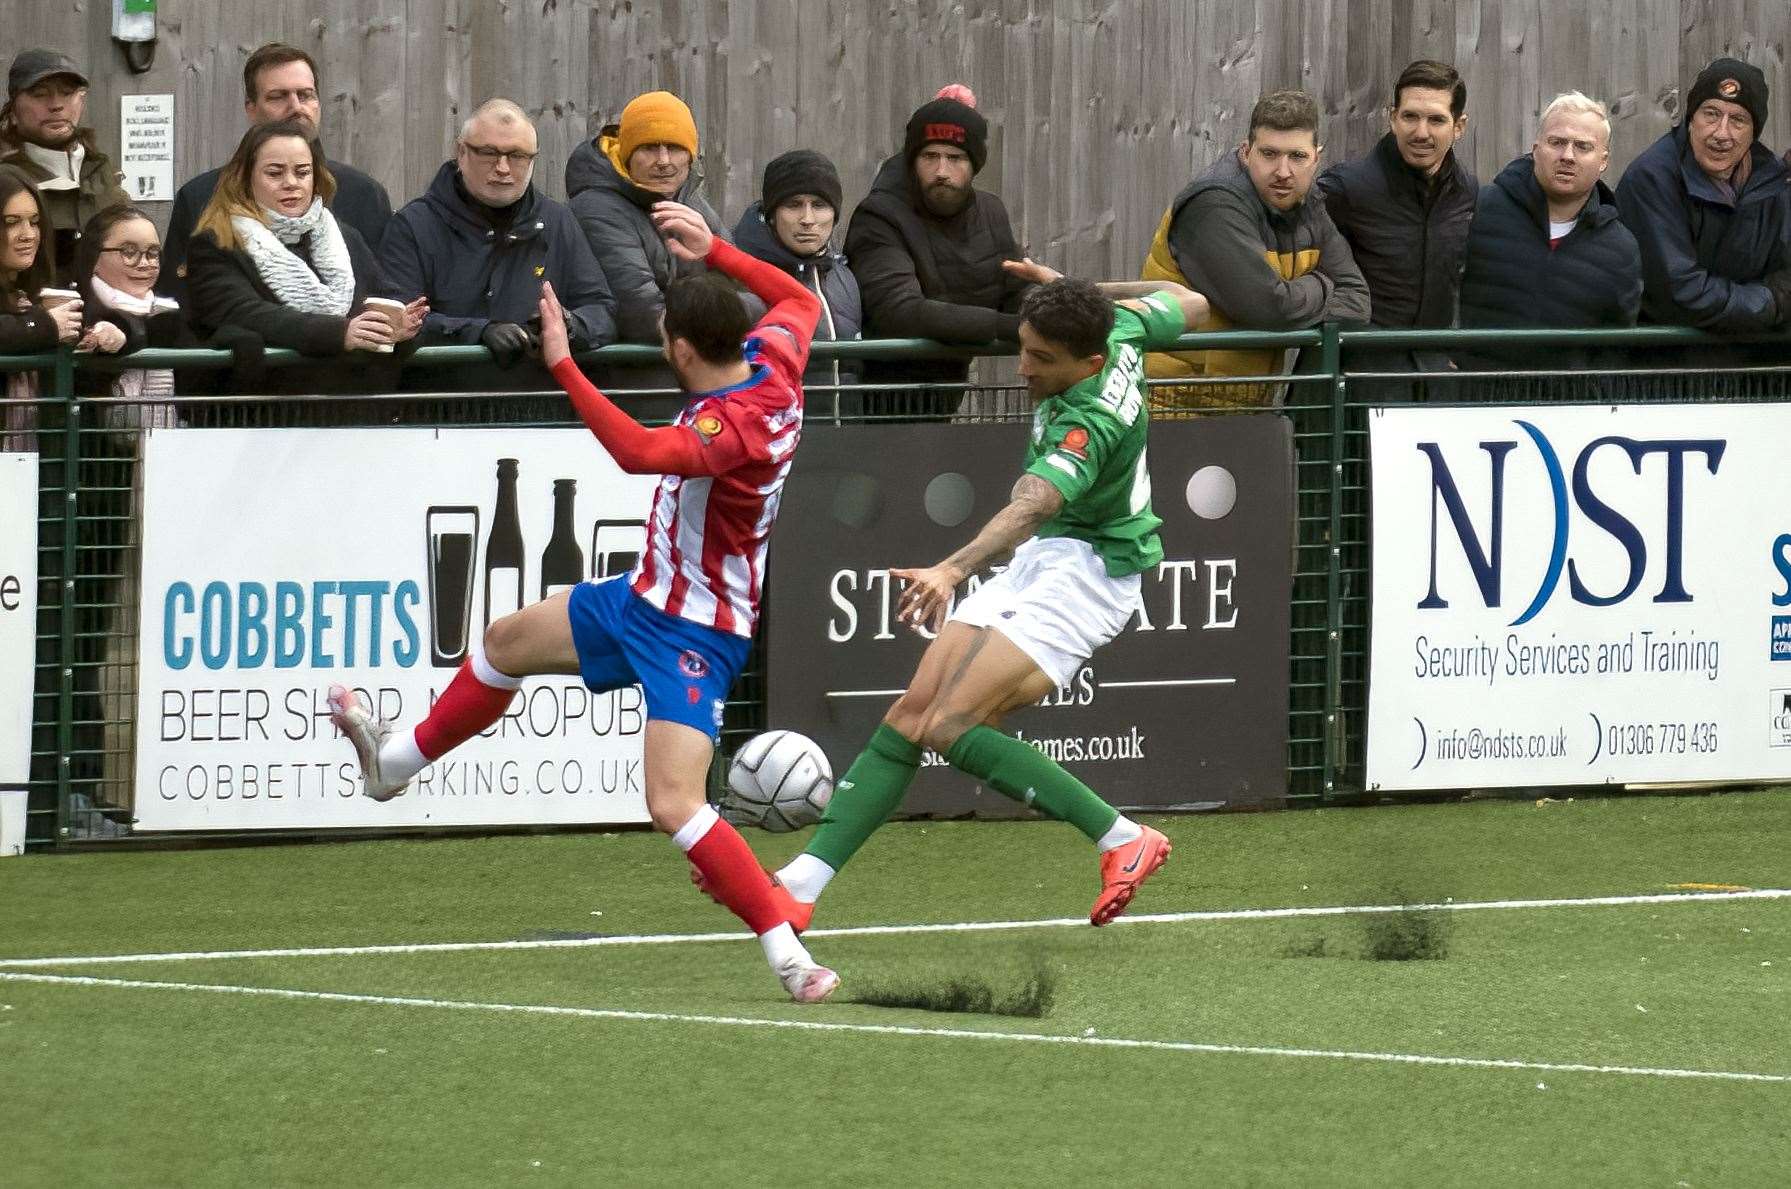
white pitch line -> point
(1177, 681)
(1099, 1042)
(1160, 918)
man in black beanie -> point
(1710, 208)
(927, 248)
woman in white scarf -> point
(269, 257)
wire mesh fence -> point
(90, 442)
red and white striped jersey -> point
(707, 536)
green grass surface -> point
(116, 1085)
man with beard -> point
(1547, 248)
(279, 83)
(927, 248)
(1709, 206)
(41, 140)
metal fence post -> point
(1331, 360)
(65, 620)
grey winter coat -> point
(613, 212)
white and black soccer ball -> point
(780, 780)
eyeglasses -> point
(131, 254)
(492, 156)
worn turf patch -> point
(1408, 935)
(1027, 992)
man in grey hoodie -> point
(611, 185)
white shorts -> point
(1056, 602)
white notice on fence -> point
(147, 156)
(1580, 595)
(18, 612)
(277, 562)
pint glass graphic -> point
(452, 536)
(616, 547)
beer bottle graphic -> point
(503, 549)
(562, 562)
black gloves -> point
(507, 342)
(1780, 284)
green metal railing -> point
(84, 704)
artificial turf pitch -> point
(143, 1085)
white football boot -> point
(368, 735)
(807, 982)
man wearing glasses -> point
(42, 140)
(482, 239)
(279, 83)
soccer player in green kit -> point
(1080, 526)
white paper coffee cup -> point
(51, 299)
(394, 315)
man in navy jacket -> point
(1546, 248)
(1711, 208)
(479, 243)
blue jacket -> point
(1703, 253)
(1593, 277)
(441, 247)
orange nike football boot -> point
(1123, 869)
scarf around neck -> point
(326, 286)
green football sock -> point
(1023, 772)
(865, 796)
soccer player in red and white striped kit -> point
(681, 623)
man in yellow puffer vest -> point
(1243, 234)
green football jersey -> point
(1089, 443)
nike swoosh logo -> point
(1133, 865)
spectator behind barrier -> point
(268, 257)
(648, 156)
(279, 83)
(482, 239)
(26, 326)
(791, 226)
(116, 273)
(41, 137)
(1711, 209)
(1405, 208)
(1547, 248)
(927, 248)
(1243, 234)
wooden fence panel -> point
(1100, 110)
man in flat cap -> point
(42, 140)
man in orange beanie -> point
(612, 182)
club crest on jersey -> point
(1075, 442)
(692, 665)
(708, 425)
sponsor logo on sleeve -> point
(708, 425)
(1075, 443)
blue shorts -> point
(684, 668)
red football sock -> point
(476, 698)
(731, 870)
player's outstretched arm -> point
(929, 591)
(1194, 307)
(669, 450)
(788, 302)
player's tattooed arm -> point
(929, 591)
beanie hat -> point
(658, 117)
(1734, 81)
(800, 171)
(946, 121)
